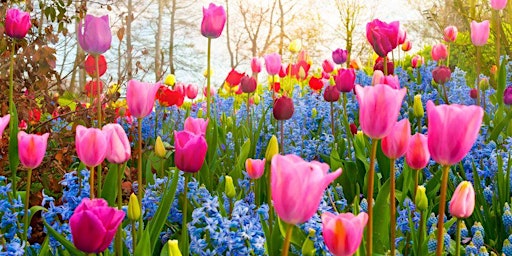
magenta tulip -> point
(382, 36)
(91, 145)
(31, 148)
(339, 56)
(17, 23)
(441, 74)
(417, 155)
(196, 126)
(345, 80)
(447, 142)
(94, 224)
(480, 32)
(256, 65)
(381, 97)
(255, 168)
(94, 35)
(273, 63)
(450, 34)
(141, 97)
(4, 121)
(248, 84)
(439, 52)
(190, 151)
(307, 182)
(283, 108)
(498, 4)
(463, 200)
(191, 91)
(331, 94)
(395, 144)
(343, 232)
(214, 19)
(507, 96)
(118, 145)
(379, 65)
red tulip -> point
(441, 74)
(417, 61)
(316, 84)
(248, 84)
(395, 144)
(379, 65)
(90, 65)
(118, 145)
(214, 19)
(343, 232)
(256, 65)
(328, 66)
(417, 155)
(17, 23)
(94, 34)
(140, 97)
(407, 46)
(94, 224)
(331, 94)
(450, 34)
(190, 151)
(91, 145)
(463, 200)
(447, 142)
(93, 88)
(283, 108)
(191, 91)
(353, 129)
(473, 93)
(383, 37)
(234, 77)
(170, 97)
(31, 148)
(345, 80)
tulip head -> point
(160, 148)
(463, 200)
(343, 233)
(190, 151)
(255, 168)
(450, 34)
(256, 65)
(31, 148)
(417, 107)
(91, 145)
(197, 126)
(118, 145)
(498, 4)
(273, 63)
(383, 37)
(331, 94)
(272, 148)
(480, 32)
(439, 52)
(417, 155)
(214, 19)
(395, 144)
(345, 80)
(441, 74)
(133, 208)
(283, 108)
(94, 35)
(140, 97)
(248, 84)
(229, 187)
(339, 56)
(507, 95)
(421, 199)
(17, 23)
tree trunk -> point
(171, 37)
(129, 46)
(281, 26)
(231, 57)
(158, 39)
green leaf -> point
(498, 128)
(381, 220)
(45, 247)
(298, 236)
(109, 191)
(14, 160)
(63, 240)
(34, 209)
(144, 245)
(502, 80)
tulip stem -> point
(392, 213)
(371, 174)
(139, 164)
(249, 115)
(91, 183)
(282, 137)
(420, 234)
(208, 71)
(347, 125)
(448, 55)
(416, 181)
(286, 244)
(27, 201)
(134, 237)
(98, 106)
(118, 242)
(442, 205)
(498, 36)
(478, 56)
(184, 230)
(419, 124)
(332, 120)
(14, 119)
(385, 65)
(457, 242)
(445, 93)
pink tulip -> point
(450, 34)
(339, 56)
(17, 23)
(141, 97)
(328, 66)
(91, 145)
(390, 80)
(383, 37)
(439, 52)
(31, 148)
(343, 232)
(417, 61)
(283, 108)
(463, 200)
(255, 168)
(118, 145)
(4, 121)
(273, 63)
(191, 91)
(402, 35)
(214, 19)
(379, 108)
(395, 144)
(256, 65)
(345, 80)
(94, 224)
(196, 126)
(377, 77)
(498, 4)
(94, 34)
(447, 142)
(407, 46)
(298, 187)
(212, 91)
(190, 151)
(480, 32)
(417, 155)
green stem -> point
(478, 75)
(442, 205)
(98, 106)
(332, 120)
(286, 244)
(347, 125)
(282, 137)
(457, 243)
(208, 71)
(448, 57)
(392, 209)
(140, 187)
(27, 201)
(421, 231)
(12, 112)
(419, 124)
(184, 230)
(371, 174)
(91, 183)
(445, 93)
(416, 181)
(118, 242)
(385, 65)
(134, 237)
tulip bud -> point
(463, 200)
(173, 248)
(159, 147)
(417, 61)
(417, 107)
(439, 52)
(353, 129)
(450, 34)
(133, 208)
(257, 99)
(473, 93)
(229, 187)
(407, 46)
(200, 113)
(314, 113)
(360, 139)
(331, 94)
(441, 74)
(507, 95)
(256, 65)
(272, 149)
(283, 108)
(295, 46)
(421, 199)
(248, 84)
(484, 83)
(170, 80)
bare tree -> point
(158, 41)
(258, 22)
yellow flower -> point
(295, 46)
(170, 80)
(133, 208)
(272, 148)
(173, 249)
(160, 148)
(229, 187)
(417, 107)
